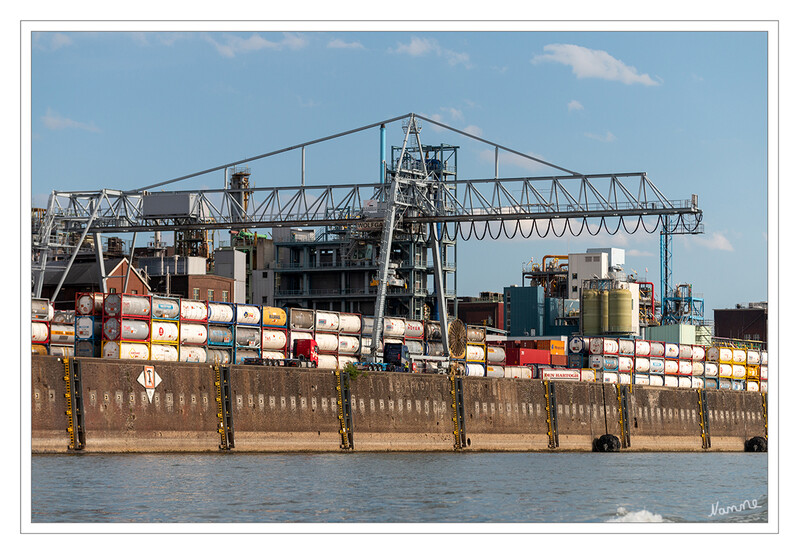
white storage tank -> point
(326, 321)
(657, 349)
(272, 355)
(738, 372)
(626, 364)
(195, 354)
(163, 353)
(348, 344)
(685, 367)
(192, 333)
(126, 329)
(88, 327)
(642, 365)
(42, 309)
(343, 361)
(415, 347)
(495, 371)
(711, 369)
(698, 353)
(494, 354)
(657, 365)
(753, 357)
(220, 335)
(626, 347)
(165, 308)
(672, 350)
(220, 313)
(273, 339)
(414, 329)
(475, 353)
(672, 367)
(248, 315)
(725, 370)
(475, 370)
(686, 352)
(61, 350)
(656, 380)
(327, 361)
(350, 323)
(164, 331)
(642, 348)
(327, 342)
(126, 350)
(248, 337)
(89, 304)
(193, 310)
(39, 332)
(218, 356)
(242, 355)
(126, 305)
(62, 334)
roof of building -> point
(86, 273)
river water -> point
(399, 488)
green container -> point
(620, 307)
(590, 308)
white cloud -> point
(607, 137)
(455, 114)
(50, 41)
(234, 45)
(473, 130)
(338, 43)
(596, 64)
(574, 105)
(424, 46)
(716, 241)
(56, 122)
(635, 252)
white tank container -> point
(220, 313)
(752, 357)
(763, 357)
(348, 345)
(518, 372)
(88, 327)
(126, 350)
(738, 371)
(327, 342)
(737, 385)
(719, 354)
(126, 329)
(414, 329)
(62, 350)
(738, 356)
(193, 310)
(763, 386)
(273, 339)
(249, 337)
(725, 384)
(725, 370)
(39, 332)
(326, 321)
(657, 365)
(686, 351)
(193, 334)
(624, 378)
(163, 353)
(349, 323)
(344, 360)
(642, 365)
(192, 354)
(596, 362)
(475, 370)
(626, 347)
(64, 316)
(686, 367)
(62, 334)
(393, 327)
(272, 355)
(588, 376)
(610, 377)
(697, 383)
(642, 348)
(610, 363)
(657, 349)
(248, 315)
(672, 350)
(495, 371)
(641, 379)
(415, 347)
(164, 331)
(672, 367)
(711, 369)
(42, 309)
(604, 346)
(578, 345)
(763, 372)
(433, 349)
(671, 380)
(697, 369)
(626, 364)
(165, 308)
(753, 386)
(684, 382)
(90, 304)
(242, 355)
(125, 304)
(656, 380)
(495, 354)
(218, 356)
(698, 353)
(475, 353)
(327, 361)
(301, 319)
(220, 335)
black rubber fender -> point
(756, 444)
(607, 443)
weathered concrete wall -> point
(278, 410)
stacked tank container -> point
(495, 360)
(753, 369)
(763, 371)
(433, 345)
(62, 334)
(220, 345)
(88, 324)
(603, 358)
(165, 329)
(41, 316)
(246, 332)
(193, 331)
(349, 339)
(274, 333)
(126, 326)
(475, 356)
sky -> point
(121, 110)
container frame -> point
(160, 297)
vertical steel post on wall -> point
(98, 253)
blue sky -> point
(123, 110)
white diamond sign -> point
(149, 379)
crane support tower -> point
(406, 199)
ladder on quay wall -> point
(622, 395)
(458, 413)
(552, 414)
(703, 419)
(764, 396)
(224, 403)
(345, 415)
(74, 396)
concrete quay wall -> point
(287, 409)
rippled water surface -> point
(399, 487)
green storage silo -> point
(620, 310)
(590, 310)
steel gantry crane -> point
(404, 199)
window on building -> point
(210, 295)
(196, 294)
(265, 274)
(574, 289)
(112, 290)
(574, 276)
(224, 296)
(134, 291)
